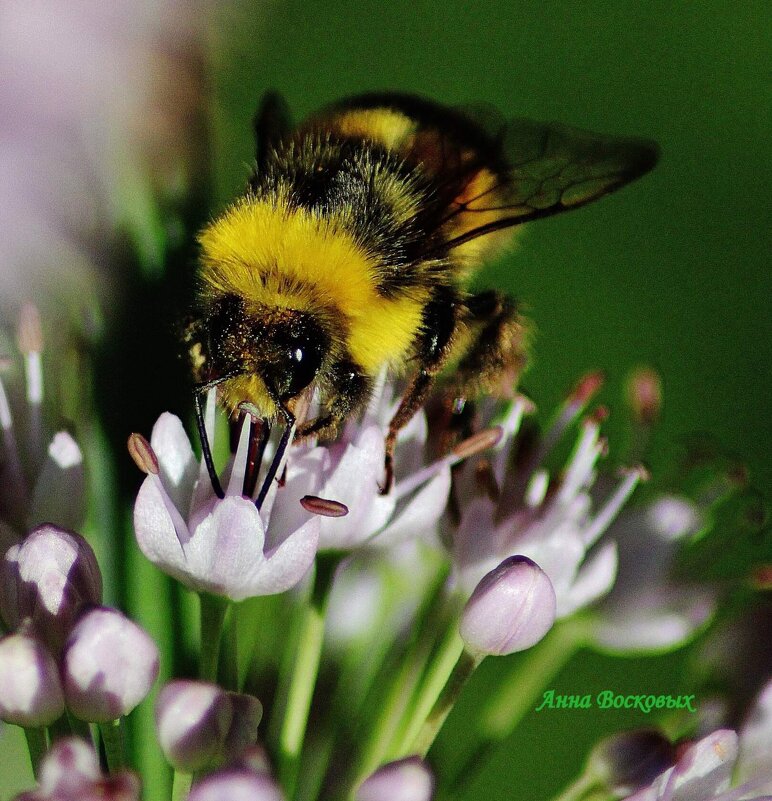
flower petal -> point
(595, 578)
(176, 460)
(419, 517)
(226, 548)
(287, 565)
(155, 530)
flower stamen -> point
(610, 509)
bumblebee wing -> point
(550, 168)
(272, 123)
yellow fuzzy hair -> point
(273, 257)
(384, 126)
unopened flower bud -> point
(48, 578)
(404, 780)
(510, 610)
(242, 734)
(200, 724)
(110, 664)
(236, 785)
(30, 689)
(191, 720)
(70, 765)
(627, 761)
(70, 772)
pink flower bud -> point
(70, 772)
(510, 610)
(70, 765)
(30, 689)
(109, 666)
(48, 578)
(200, 725)
(404, 780)
(236, 785)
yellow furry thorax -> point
(272, 255)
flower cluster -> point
(492, 539)
(66, 649)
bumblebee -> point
(352, 246)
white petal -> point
(226, 548)
(558, 552)
(409, 454)
(474, 550)
(155, 531)
(705, 769)
(304, 477)
(354, 482)
(177, 463)
(646, 631)
(287, 565)
(420, 515)
(595, 578)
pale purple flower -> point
(511, 609)
(200, 725)
(109, 665)
(236, 784)
(516, 507)
(406, 779)
(226, 547)
(648, 609)
(30, 688)
(71, 772)
(47, 580)
(41, 480)
(351, 471)
(706, 769)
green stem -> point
(181, 785)
(213, 609)
(306, 668)
(112, 738)
(465, 664)
(37, 746)
(518, 694)
(230, 669)
(395, 681)
(79, 727)
(394, 707)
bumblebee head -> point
(283, 348)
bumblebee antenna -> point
(206, 450)
(289, 420)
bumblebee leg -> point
(438, 326)
(495, 354)
(348, 388)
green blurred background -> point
(671, 272)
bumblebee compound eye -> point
(299, 347)
(303, 363)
